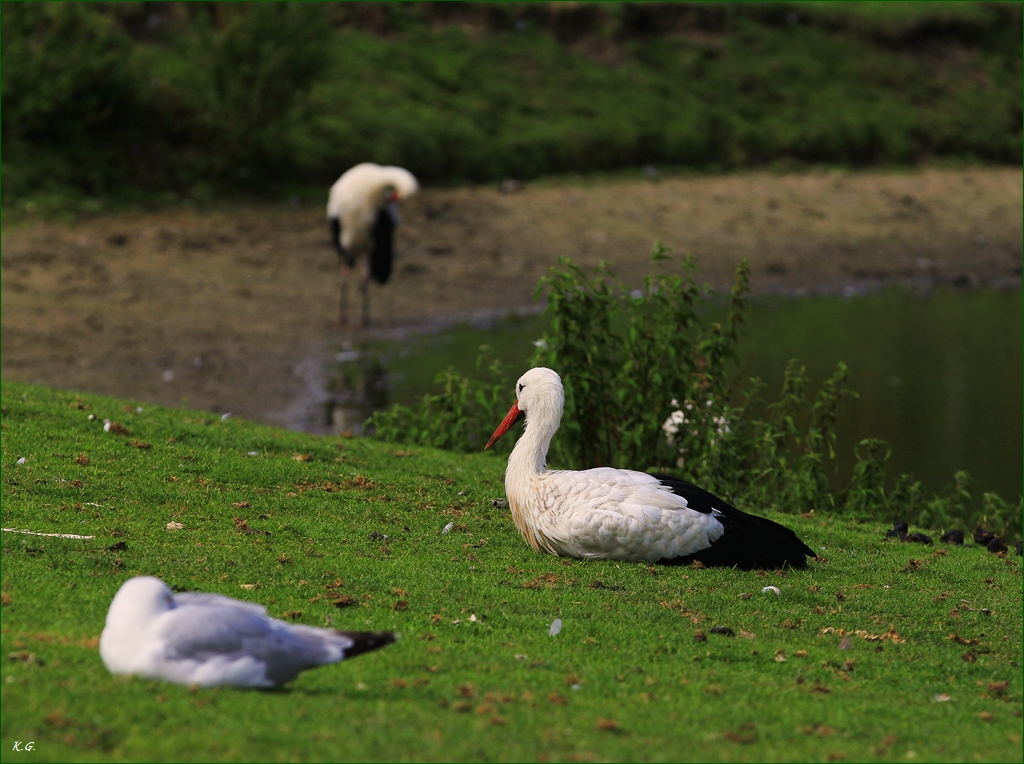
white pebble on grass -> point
(556, 626)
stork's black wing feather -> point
(749, 542)
(383, 236)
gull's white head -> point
(136, 604)
(539, 397)
(138, 601)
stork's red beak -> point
(513, 416)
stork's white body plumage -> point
(362, 212)
(608, 513)
(209, 639)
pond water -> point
(939, 377)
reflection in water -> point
(357, 386)
(339, 389)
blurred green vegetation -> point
(172, 101)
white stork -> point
(208, 639)
(612, 514)
(363, 211)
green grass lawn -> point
(930, 669)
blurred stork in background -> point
(363, 211)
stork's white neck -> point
(527, 464)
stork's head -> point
(539, 397)
(401, 184)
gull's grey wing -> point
(202, 631)
(198, 598)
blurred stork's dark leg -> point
(345, 271)
(346, 276)
(364, 291)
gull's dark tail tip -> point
(367, 641)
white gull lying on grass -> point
(209, 639)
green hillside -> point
(172, 101)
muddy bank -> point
(228, 309)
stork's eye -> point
(521, 386)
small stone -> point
(952, 537)
(899, 528)
(982, 536)
(996, 545)
(916, 538)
